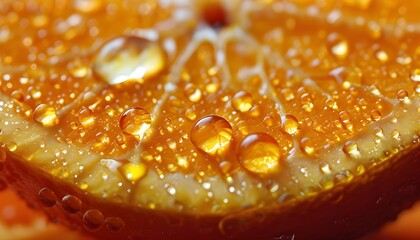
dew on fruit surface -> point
(375, 115)
(129, 58)
(290, 124)
(133, 171)
(382, 56)
(212, 134)
(395, 134)
(259, 153)
(242, 101)
(339, 46)
(71, 204)
(135, 121)
(325, 168)
(47, 197)
(46, 115)
(345, 120)
(402, 96)
(86, 118)
(192, 93)
(190, 114)
(11, 146)
(87, 6)
(307, 102)
(307, 145)
(93, 219)
(351, 149)
(415, 75)
(114, 224)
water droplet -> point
(190, 114)
(242, 101)
(402, 96)
(307, 145)
(325, 168)
(135, 121)
(395, 134)
(133, 171)
(415, 75)
(87, 6)
(345, 120)
(290, 124)
(129, 58)
(192, 93)
(114, 224)
(307, 102)
(339, 47)
(11, 146)
(47, 197)
(382, 56)
(86, 118)
(375, 115)
(212, 134)
(46, 115)
(71, 204)
(351, 149)
(93, 219)
(331, 103)
(260, 153)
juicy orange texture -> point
(136, 119)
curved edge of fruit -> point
(346, 211)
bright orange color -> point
(230, 119)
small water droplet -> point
(290, 124)
(192, 93)
(395, 134)
(402, 96)
(382, 56)
(415, 75)
(87, 6)
(86, 118)
(135, 121)
(133, 171)
(375, 115)
(346, 120)
(260, 153)
(114, 224)
(71, 204)
(325, 168)
(93, 219)
(351, 149)
(307, 145)
(47, 197)
(11, 146)
(129, 58)
(190, 114)
(212, 134)
(46, 115)
(339, 47)
(242, 101)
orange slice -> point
(235, 119)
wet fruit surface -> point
(160, 107)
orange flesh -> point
(327, 85)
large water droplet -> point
(93, 219)
(135, 121)
(260, 153)
(212, 134)
(129, 58)
(46, 115)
